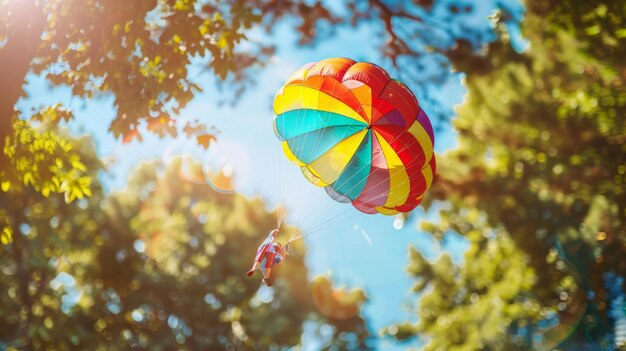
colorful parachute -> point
(358, 133)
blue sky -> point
(357, 249)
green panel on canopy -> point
(309, 146)
(297, 122)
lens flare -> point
(191, 156)
(398, 222)
(226, 166)
(221, 164)
(569, 307)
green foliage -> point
(538, 179)
(48, 235)
(44, 159)
(490, 300)
(158, 266)
(199, 243)
(140, 52)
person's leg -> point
(267, 271)
(257, 265)
(266, 276)
(254, 268)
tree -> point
(543, 200)
(43, 237)
(537, 187)
(159, 266)
(137, 51)
(197, 246)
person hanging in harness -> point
(268, 254)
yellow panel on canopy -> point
(398, 177)
(330, 165)
(297, 97)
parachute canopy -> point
(358, 133)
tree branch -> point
(398, 45)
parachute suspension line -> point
(307, 229)
(314, 215)
(279, 221)
(404, 182)
(301, 234)
(327, 223)
(384, 179)
(275, 181)
(324, 225)
(372, 136)
(280, 210)
(301, 120)
(311, 211)
(363, 166)
(389, 176)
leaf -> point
(28, 178)
(56, 181)
(79, 165)
(129, 136)
(162, 125)
(69, 196)
(222, 42)
(83, 185)
(205, 140)
(6, 236)
(52, 114)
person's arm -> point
(269, 239)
